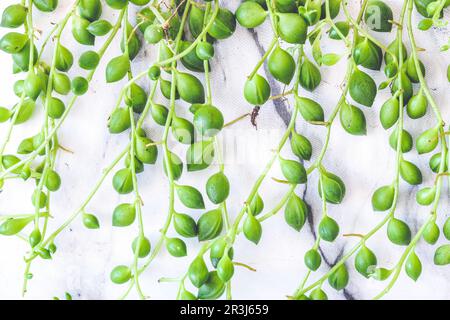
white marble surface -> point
(85, 258)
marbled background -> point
(85, 258)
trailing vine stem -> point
(51, 135)
(168, 166)
(444, 151)
(350, 67)
(389, 216)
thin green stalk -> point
(47, 39)
(29, 22)
(167, 127)
(273, 21)
(329, 124)
(259, 181)
(279, 205)
(88, 199)
(137, 204)
(444, 150)
(72, 217)
(272, 45)
(48, 97)
(300, 291)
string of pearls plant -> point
(184, 34)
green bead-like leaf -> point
(318, 294)
(176, 247)
(26, 111)
(295, 212)
(117, 4)
(144, 246)
(256, 205)
(89, 60)
(99, 28)
(225, 268)
(413, 266)
(446, 229)
(333, 187)
(309, 109)
(339, 278)
(257, 90)
(190, 197)
(252, 229)
(56, 108)
(250, 14)
(208, 120)
(309, 77)
(442, 255)
(80, 31)
(406, 141)
(407, 88)
(159, 114)
(313, 259)
(394, 52)
(431, 233)
(176, 165)
(292, 28)
(417, 106)
(368, 54)
(365, 261)
(53, 181)
(13, 42)
(362, 88)
(199, 155)
(117, 68)
(185, 225)
(281, 64)
(13, 226)
(218, 188)
(124, 215)
(389, 113)
(210, 225)
(343, 27)
(145, 151)
(383, 198)
(427, 141)
(410, 172)
(90, 221)
(120, 274)
(213, 288)
(61, 83)
(425, 196)
(398, 232)
(192, 60)
(198, 272)
(63, 59)
(352, 119)
(190, 88)
(301, 146)
(378, 16)
(90, 9)
(224, 24)
(293, 171)
(328, 229)
(14, 16)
